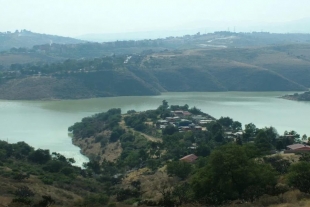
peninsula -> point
(298, 96)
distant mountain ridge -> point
(204, 26)
(273, 68)
(56, 52)
(27, 39)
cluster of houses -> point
(185, 121)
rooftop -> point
(297, 146)
(189, 158)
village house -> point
(205, 121)
(161, 124)
(298, 147)
(173, 119)
(189, 158)
(181, 113)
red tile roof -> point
(189, 158)
(298, 146)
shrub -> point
(96, 199)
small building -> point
(185, 128)
(186, 113)
(189, 158)
(238, 134)
(205, 121)
(181, 113)
(178, 113)
(198, 117)
(298, 147)
(173, 119)
(159, 123)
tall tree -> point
(229, 175)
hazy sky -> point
(77, 17)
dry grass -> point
(61, 196)
(92, 149)
(112, 151)
(150, 182)
(292, 157)
(148, 137)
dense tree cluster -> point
(90, 126)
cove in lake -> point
(44, 124)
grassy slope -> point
(62, 196)
(226, 69)
(87, 85)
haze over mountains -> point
(27, 39)
(204, 26)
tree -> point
(93, 165)
(272, 135)
(293, 133)
(116, 133)
(304, 137)
(236, 126)
(21, 176)
(195, 111)
(298, 177)
(40, 156)
(152, 164)
(263, 143)
(278, 163)
(305, 157)
(165, 104)
(249, 131)
(23, 195)
(133, 159)
(203, 150)
(229, 175)
(226, 121)
(95, 200)
(169, 130)
(214, 128)
(180, 169)
(183, 193)
(45, 202)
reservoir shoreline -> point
(44, 124)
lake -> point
(44, 124)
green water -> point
(43, 124)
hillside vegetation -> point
(134, 160)
(38, 178)
(234, 165)
(275, 68)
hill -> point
(272, 68)
(214, 40)
(27, 39)
(150, 151)
(142, 158)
